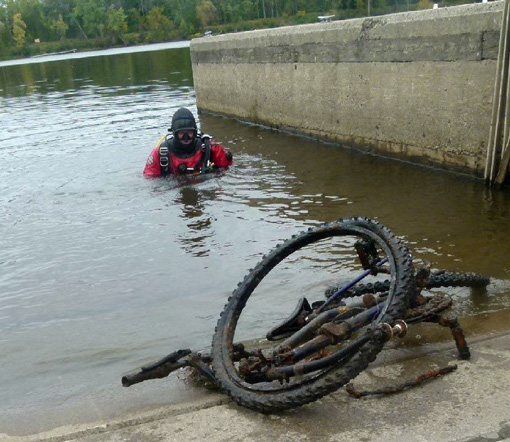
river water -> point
(102, 270)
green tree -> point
(206, 13)
(59, 27)
(2, 34)
(32, 13)
(227, 13)
(158, 26)
(19, 31)
(115, 23)
(92, 16)
(379, 4)
(424, 4)
(247, 9)
(186, 17)
(262, 4)
(52, 10)
(185, 29)
(134, 20)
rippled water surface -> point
(102, 270)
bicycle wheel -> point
(439, 278)
(309, 384)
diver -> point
(185, 151)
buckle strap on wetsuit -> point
(164, 159)
(206, 148)
(205, 164)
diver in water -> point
(185, 151)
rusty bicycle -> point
(324, 344)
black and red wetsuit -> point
(177, 162)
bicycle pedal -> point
(398, 330)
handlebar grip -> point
(158, 369)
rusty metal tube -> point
(309, 367)
(309, 329)
(325, 338)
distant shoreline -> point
(43, 58)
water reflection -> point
(449, 219)
(123, 72)
(199, 225)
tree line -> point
(35, 26)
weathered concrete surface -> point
(415, 85)
(472, 404)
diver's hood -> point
(183, 119)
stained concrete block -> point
(415, 85)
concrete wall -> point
(415, 85)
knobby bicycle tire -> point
(442, 278)
(286, 396)
(437, 279)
